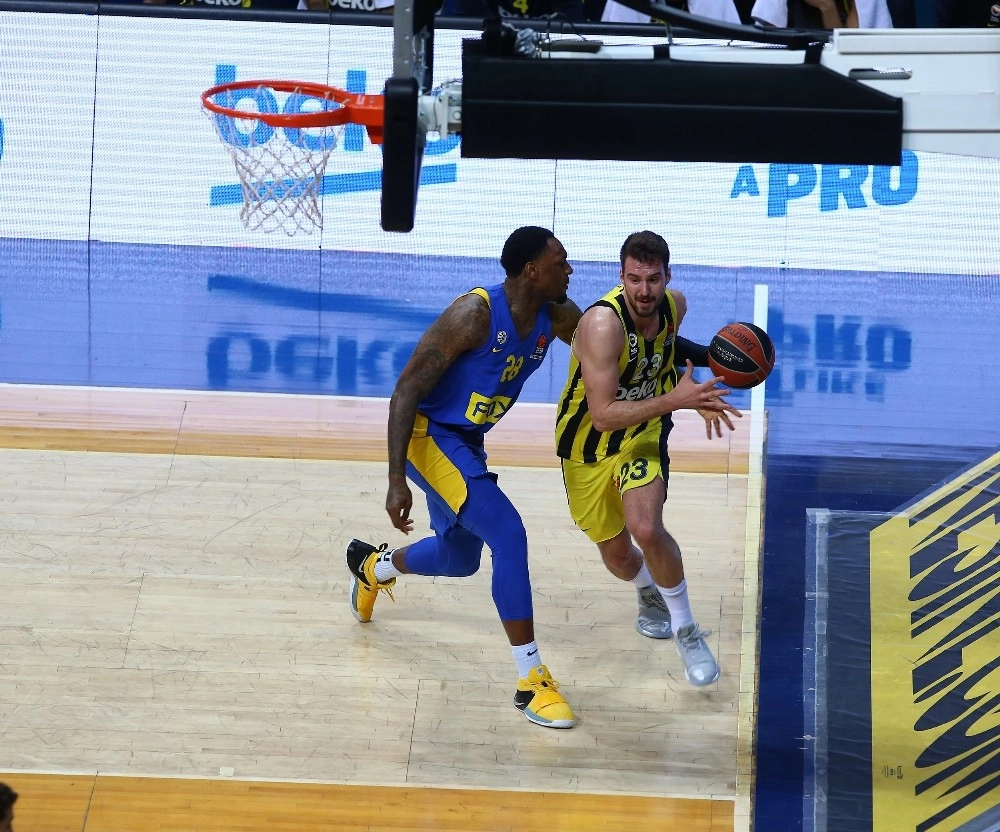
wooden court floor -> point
(178, 653)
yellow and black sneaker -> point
(539, 699)
(361, 558)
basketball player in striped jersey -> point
(622, 383)
(464, 375)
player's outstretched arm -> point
(463, 326)
(598, 344)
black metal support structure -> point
(669, 110)
(540, 104)
(402, 154)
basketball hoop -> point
(280, 135)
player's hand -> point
(694, 395)
(714, 420)
(398, 502)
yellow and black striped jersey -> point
(645, 369)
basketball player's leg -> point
(448, 465)
(485, 515)
(595, 502)
(452, 551)
(642, 504)
(441, 465)
(490, 515)
(643, 509)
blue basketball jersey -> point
(482, 385)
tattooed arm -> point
(463, 326)
(565, 317)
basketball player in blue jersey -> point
(622, 384)
(464, 375)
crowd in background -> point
(809, 14)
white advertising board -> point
(127, 155)
(46, 124)
(161, 174)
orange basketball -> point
(742, 354)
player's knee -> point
(462, 561)
(509, 537)
(462, 568)
(650, 534)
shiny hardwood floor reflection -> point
(54, 803)
(166, 613)
(289, 426)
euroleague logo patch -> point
(540, 347)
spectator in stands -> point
(944, 14)
(8, 797)
(970, 14)
(904, 13)
(531, 9)
(822, 14)
(724, 10)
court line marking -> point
(746, 727)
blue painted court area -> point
(877, 392)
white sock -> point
(677, 602)
(384, 570)
(643, 579)
(527, 658)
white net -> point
(281, 169)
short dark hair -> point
(646, 247)
(8, 797)
(522, 246)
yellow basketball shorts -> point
(594, 489)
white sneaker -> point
(653, 620)
(700, 666)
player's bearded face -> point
(645, 284)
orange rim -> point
(357, 108)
